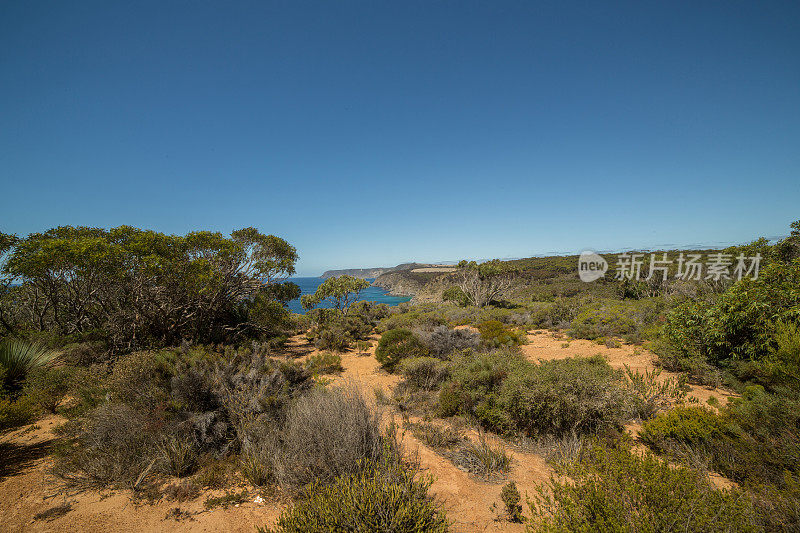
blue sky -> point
(372, 133)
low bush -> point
(436, 436)
(15, 412)
(481, 458)
(495, 334)
(386, 497)
(573, 395)
(324, 363)
(651, 395)
(425, 373)
(754, 439)
(442, 341)
(612, 489)
(48, 386)
(397, 344)
(631, 320)
(420, 316)
(692, 426)
(166, 410)
(326, 434)
(511, 500)
(509, 394)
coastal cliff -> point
(422, 286)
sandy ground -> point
(27, 488)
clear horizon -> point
(371, 134)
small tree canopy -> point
(341, 291)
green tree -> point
(482, 283)
(341, 291)
(7, 243)
(141, 287)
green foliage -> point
(324, 363)
(397, 344)
(740, 325)
(15, 412)
(425, 373)
(338, 331)
(630, 320)
(506, 393)
(48, 386)
(754, 439)
(142, 288)
(612, 489)
(495, 334)
(386, 498)
(19, 358)
(573, 395)
(341, 292)
(651, 395)
(511, 499)
(687, 425)
(456, 295)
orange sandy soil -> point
(27, 488)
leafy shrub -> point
(496, 334)
(377, 498)
(685, 425)
(456, 295)
(425, 373)
(511, 498)
(649, 395)
(443, 341)
(612, 489)
(324, 363)
(511, 395)
(740, 324)
(48, 386)
(335, 331)
(397, 344)
(475, 381)
(15, 412)
(754, 439)
(19, 358)
(579, 395)
(614, 319)
(420, 316)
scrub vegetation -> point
(166, 356)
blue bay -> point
(370, 294)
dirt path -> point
(28, 489)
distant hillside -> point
(368, 273)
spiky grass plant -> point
(19, 358)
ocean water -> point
(370, 294)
